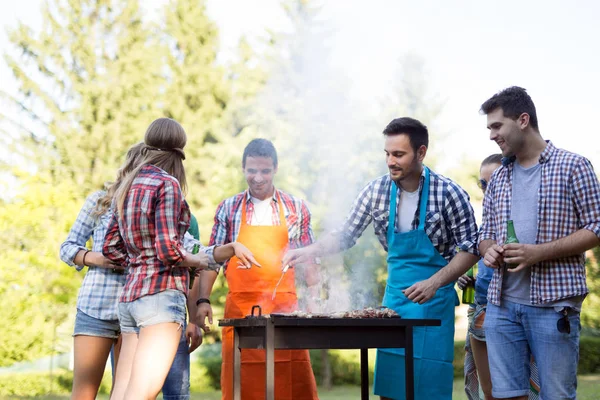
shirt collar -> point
(249, 196)
(544, 156)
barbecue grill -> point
(285, 331)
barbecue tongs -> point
(283, 271)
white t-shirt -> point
(407, 207)
(263, 212)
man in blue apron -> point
(427, 225)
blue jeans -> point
(177, 384)
(514, 332)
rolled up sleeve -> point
(461, 217)
(587, 196)
(80, 232)
(169, 248)
(114, 246)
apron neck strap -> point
(424, 198)
(422, 205)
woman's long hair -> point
(163, 147)
(132, 160)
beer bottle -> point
(468, 294)
(511, 237)
(195, 250)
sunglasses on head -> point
(563, 325)
(482, 184)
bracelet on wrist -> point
(202, 300)
(84, 254)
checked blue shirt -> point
(450, 220)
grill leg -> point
(237, 366)
(409, 364)
(364, 374)
(270, 360)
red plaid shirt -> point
(228, 219)
(148, 237)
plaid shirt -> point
(450, 220)
(148, 237)
(569, 196)
(229, 216)
(100, 289)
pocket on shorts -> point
(145, 308)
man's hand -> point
(204, 310)
(244, 255)
(422, 291)
(298, 256)
(521, 255)
(494, 256)
(464, 281)
(194, 336)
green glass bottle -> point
(511, 237)
(195, 250)
(468, 294)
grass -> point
(587, 390)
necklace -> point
(262, 212)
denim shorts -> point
(86, 325)
(476, 317)
(152, 309)
(514, 332)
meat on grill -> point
(369, 312)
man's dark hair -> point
(416, 131)
(493, 159)
(260, 148)
(513, 101)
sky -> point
(471, 49)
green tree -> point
(210, 99)
(87, 80)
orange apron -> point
(294, 378)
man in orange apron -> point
(268, 222)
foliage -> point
(590, 312)
(39, 384)
(91, 79)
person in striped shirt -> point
(535, 295)
(268, 221)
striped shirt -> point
(148, 237)
(450, 220)
(228, 219)
(569, 196)
(101, 288)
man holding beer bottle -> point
(552, 196)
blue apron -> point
(411, 259)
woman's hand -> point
(244, 255)
(97, 259)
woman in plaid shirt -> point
(96, 322)
(146, 236)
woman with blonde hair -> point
(145, 235)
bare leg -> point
(154, 355)
(116, 350)
(480, 356)
(91, 353)
(126, 354)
